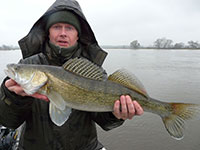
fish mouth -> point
(10, 71)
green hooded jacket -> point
(40, 133)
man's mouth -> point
(63, 43)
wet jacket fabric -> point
(79, 132)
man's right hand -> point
(16, 88)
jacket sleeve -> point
(13, 108)
(106, 120)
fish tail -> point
(179, 113)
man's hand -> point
(125, 108)
(17, 89)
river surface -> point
(168, 75)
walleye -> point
(82, 85)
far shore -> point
(128, 48)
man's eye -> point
(69, 28)
(56, 27)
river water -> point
(168, 75)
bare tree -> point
(163, 43)
(193, 44)
(179, 45)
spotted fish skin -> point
(82, 85)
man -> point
(60, 34)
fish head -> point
(15, 72)
(28, 77)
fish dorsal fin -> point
(85, 68)
(128, 80)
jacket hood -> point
(34, 41)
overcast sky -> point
(114, 22)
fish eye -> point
(16, 67)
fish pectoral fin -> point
(56, 99)
(59, 117)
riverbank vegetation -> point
(160, 43)
(9, 47)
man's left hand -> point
(126, 108)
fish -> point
(82, 85)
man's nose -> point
(63, 32)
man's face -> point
(63, 34)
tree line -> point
(164, 43)
(8, 47)
(160, 43)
